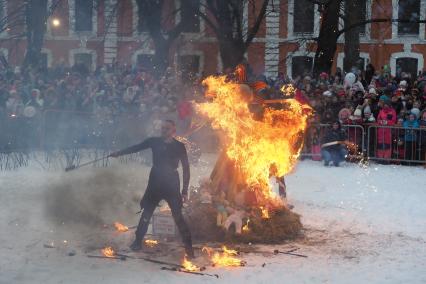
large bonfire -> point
(255, 137)
(254, 145)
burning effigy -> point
(261, 140)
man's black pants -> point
(163, 185)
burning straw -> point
(260, 142)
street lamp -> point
(56, 22)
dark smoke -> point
(93, 198)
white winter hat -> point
(403, 83)
(416, 112)
(372, 91)
(327, 94)
(367, 109)
(357, 112)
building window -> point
(189, 66)
(83, 15)
(141, 26)
(192, 20)
(363, 17)
(303, 16)
(145, 62)
(301, 66)
(408, 65)
(83, 60)
(409, 10)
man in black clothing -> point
(163, 182)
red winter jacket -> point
(387, 116)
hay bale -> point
(282, 225)
(201, 220)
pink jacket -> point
(387, 116)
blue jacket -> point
(410, 134)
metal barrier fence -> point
(397, 144)
(70, 131)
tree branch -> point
(253, 31)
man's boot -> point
(189, 251)
(136, 245)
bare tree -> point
(225, 18)
(328, 35)
(151, 15)
(351, 48)
(36, 15)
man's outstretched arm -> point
(133, 149)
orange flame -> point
(120, 227)
(254, 144)
(246, 226)
(288, 89)
(108, 252)
(189, 266)
(226, 258)
(265, 212)
(151, 243)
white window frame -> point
(49, 56)
(202, 24)
(290, 20)
(395, 9)
(141, 52)
(289, 60)
(75, 51)
(198, 53)
(367, 35)
(409, 54)
(72, 31)
(341, 57)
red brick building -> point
(96, 32)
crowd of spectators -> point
(361, 97)
(111, 94)
(373, 97)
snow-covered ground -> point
(363, 225)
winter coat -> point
(411, 134)
(387, 116)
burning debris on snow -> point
(120, 227)
(108, 252)
(150, 243)
(189, 266)
(225, 258)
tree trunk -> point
(36, 17)
(161, 58)
(231, 53)
(327, 40)
(351, 49)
